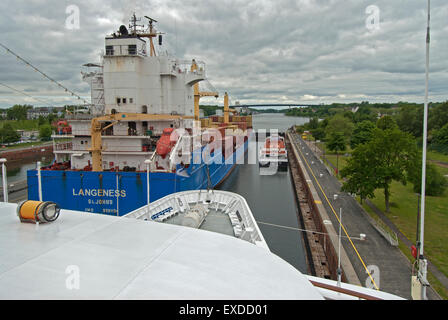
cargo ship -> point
(142, 134)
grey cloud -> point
(258, 51)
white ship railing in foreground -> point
(228, 203)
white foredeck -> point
(121, 258)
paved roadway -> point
(391, 270)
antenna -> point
(133, 24)
(423, 264)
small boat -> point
(273, 152)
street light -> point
(5, 183)
(148, 163)
(339, 271)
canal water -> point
(16, 170)
(271, 197)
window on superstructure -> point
(131, 100)
(124, 100)
(132, 49)
(109, 50)
(118, 100)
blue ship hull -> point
(118, 193)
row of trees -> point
(383, 150)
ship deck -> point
(216, 221)
(93, 256)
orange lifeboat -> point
(165, 143)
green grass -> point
(23, 145)
(403, 212)
(437, 286)
(437, 156)
(443, 170)
(342, 162)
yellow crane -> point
(96, 129)
(199, 94)
(227, 109)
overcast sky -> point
(282, 51)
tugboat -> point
(274, 151)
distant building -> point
(28, 135)
(35, 113)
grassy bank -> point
(403, 213)
(27, 125)
(24, 145)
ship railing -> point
(331, 290)
(79, 116)
(228, 203)
(78, 132)
(63, 146)
(185, 66)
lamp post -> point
(5, 183)
(339, 271)
(148, 163)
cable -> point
(42, 73)
(26, 94)
(303, 230)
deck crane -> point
(199, 94)
(96, 129)
(227, 109)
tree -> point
(313, 123)
(438, 116)
(439, 141)
(18, 112)
(336, 142)
(45, 132)
(8, 134)
(363, 178)
(318, 133)
(410, 119)
(362, 133)
(339, 124)
(386, 122)
(435, 182)
(391, 155)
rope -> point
(303, 230)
